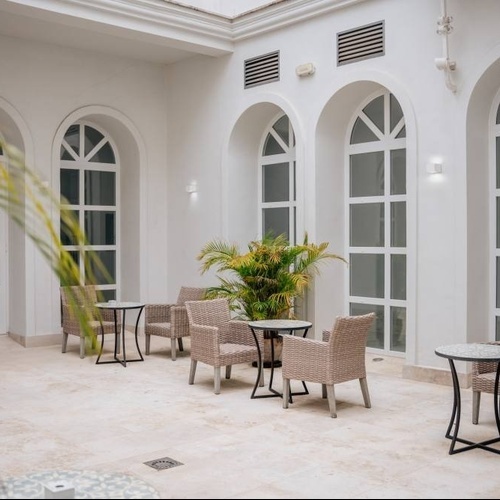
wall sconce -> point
(191, 188)
(434, 168)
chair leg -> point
(173, 349)
(82, 347)
(64, 342)
(217, 379)
(228, 371)
(330, 392)
(286, 392)
(476, 401)
(192, 371)
(323, 391)
(148, 343)
(181, 347)
(364, 390)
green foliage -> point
(27, 201)
(264, 282)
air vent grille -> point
(262, 69)
(361, 43)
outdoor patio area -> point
(60, 412)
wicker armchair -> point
(85, 297)
(339, 357)
(483, 380)
(170, 320)
(217, 340)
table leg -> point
(455, 418)
(259, 365)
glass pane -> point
(497, 328)
(395, 111)
(375, 111)
(376, 333)
(498, 223)
(100, 227)
(275, 221)
(70, 186)
(281, 127)
(275, 182)
(65, 155)
(398, 171)
(401, 133)
(367, 174)
(72, 137)
(398, 329)
(498, 283)
(398, 224)
(398, 277)
(294, 181)
(99, 188)
(361, 133)
(108, 295)
(366, 275)
(271, 146)
(498, 115)
(367, 225)
(104, 155)
(75, 255)
(108, 274)
(92, 138)
(66, 234)
(498, 161)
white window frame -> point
(289, 156)
(387, 142)
(82, 164)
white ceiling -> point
(145, 40)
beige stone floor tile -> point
(58, 412)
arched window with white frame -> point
(89, 186)
(277, 189)
(376, 220)
(495, 237)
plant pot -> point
(266, 355)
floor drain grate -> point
(163, 463)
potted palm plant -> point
(266, 281)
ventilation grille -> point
(262, 69)
(360, 43)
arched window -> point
(89, 180)
(496, 236)
(376, 215)
(277, 192)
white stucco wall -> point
(46, 84)
(193, 121)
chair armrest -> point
(204, 341)
(157, 313)
(238, 332)
(179, 322)
(304, 359)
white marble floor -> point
(59, 412)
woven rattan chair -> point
(217, 340)
(339, 357)
(85, 297)
(170, 320)
(483, 380)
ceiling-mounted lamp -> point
(191, 188)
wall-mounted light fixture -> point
(435, 167)
(191, 188)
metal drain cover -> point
(163, 463)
